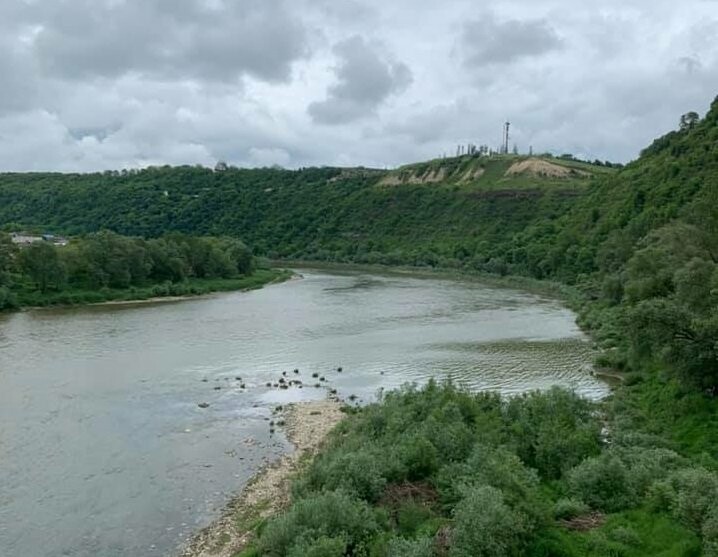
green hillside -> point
(361, 215)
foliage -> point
(326, 524)
(104, 265)
(602, 482)
(402, 547)
(570, 508)
(484, 526)
(488, 500)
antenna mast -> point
(505, 146)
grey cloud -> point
(97, 84)
(169, 39)
(19, 89)
(345, 11)
(488, 41)
(364, 82)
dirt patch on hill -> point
(307, 426)
(544, 169)
(472, 175)
(429, 177)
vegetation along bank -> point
(104, 266)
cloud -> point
(169, 39)
(490, 41)
(18, 89)
(364, 82)
(100, 84)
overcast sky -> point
(104, 84)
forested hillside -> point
(451, 212)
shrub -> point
(660, 496)
(417, 458)
(322, 547)
(603, 483)
(552, 431)
(569, 508)
(625, 536)
(332, 516)
(448, 432)
(646, 466)
(357, 473)
(710, 532)
(400, 547)
(484, 526)
(497, 468)
(599, 545)
(411, 516)
(696, 490)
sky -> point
(91, 85)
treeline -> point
(107, 261)
(443, 472)
(322, 213)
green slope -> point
(321, 213)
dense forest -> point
(105, 266)
(438, 471)
(331, 214)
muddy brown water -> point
(104, 450)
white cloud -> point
(97, 84)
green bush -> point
(410, 517)
(332, 516)
(646, 466)
(484, 526)
(497, 468)
(695, 493)
(401, 547)
(603, 483)
(322, 547)
(552, 431)
(355, 472)
(710, 532)
(625, 536)
(569, 508)
(417, 458)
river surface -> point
(105, 452)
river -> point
(104, 450)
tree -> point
(41, 262)
(7, 254)
(689, 121)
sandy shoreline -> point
(307, 425)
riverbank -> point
(306, 425)
(156, 293)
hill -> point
(447, 212)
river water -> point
(104, 450)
